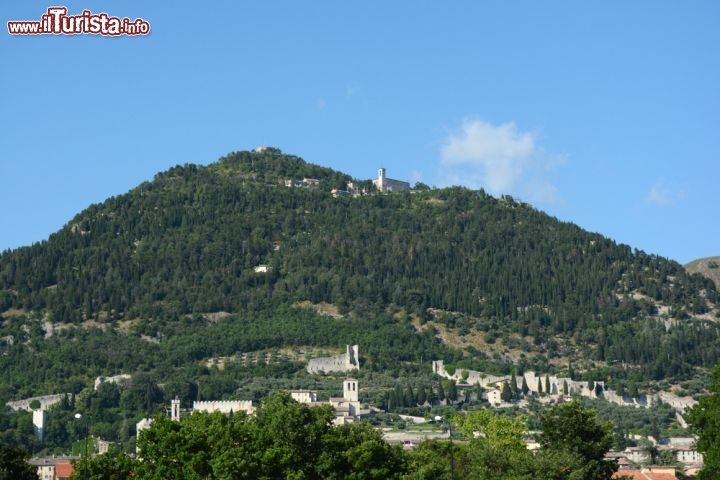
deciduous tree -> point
(13, 463)
(705, 421)
(574, 441)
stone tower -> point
(175, 409)
(352, 358)
(350, 390)
(38, 417)
(381, 180)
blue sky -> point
(604, 114)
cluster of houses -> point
(311, 183)
(347, 408)
(53, 468)
(682, 448)
(382, 184)
(560, 389)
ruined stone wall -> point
(45, 402)
(339, 363)
(678, 403)
(473, 377)
(122, 379)
(581, 388)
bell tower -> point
(381, 180)
(350, 390)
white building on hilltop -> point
(385, 185)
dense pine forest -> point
(160, 281)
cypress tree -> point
(506, 393)
(452, 393)
(513, 386)
(409, 397)
(421, 397)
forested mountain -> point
(149, 273)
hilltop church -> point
(386, 185)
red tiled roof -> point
(644, 475)
(63, 470)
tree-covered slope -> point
(709, 267)
(189, 241)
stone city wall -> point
(224, 406)
(340, 363)
(45, 402)
(582, 388)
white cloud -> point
(499, 158)
(660, 195)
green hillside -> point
(163, 279)
(709, 267)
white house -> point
(494, 396)
(304, 396)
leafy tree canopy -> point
(13, 463)
(284, 440)
(705, 421)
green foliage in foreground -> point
(13, 465)
(705, 421)
(288, 440)
(284, 440)
(573, 444)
